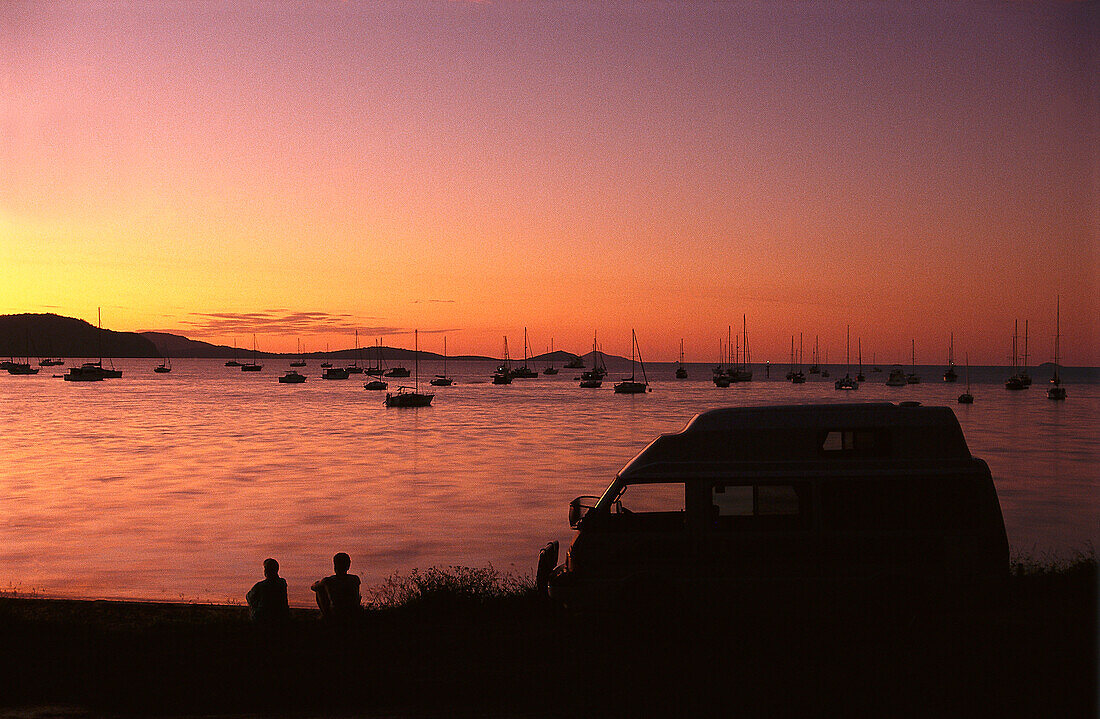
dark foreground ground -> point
(449, 651)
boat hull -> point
(408, 399)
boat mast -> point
(1025, 346)
(633, 342)
(848, 353)
(1057, 336)
(416, 360)
(745, 338)
(1015, 337)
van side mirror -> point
(579, 507)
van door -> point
(760, 534)
(644, 536)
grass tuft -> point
(1080, 562)
(452, 586)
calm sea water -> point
(177, 486)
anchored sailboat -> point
(847, 383)
(503, 375)
(93, 371)
(551, 369)
(966, 397)
(913, 377)
(442, 380)
(233, 362)
(949, 374)
(301, 361)
(593, 378)
(632, 386)
(524, 371)
(410, 396)
(252, 366)
(292, 377)
(355, 367)
(1057, 391)
(1016, 381)
(795, 375)
(681, 373)
(859, 375)
(397, 371)
(375, 370)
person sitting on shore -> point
(338, 595)
(267, 603)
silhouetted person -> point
(267, 599)
(338, 595)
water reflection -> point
(162, 486)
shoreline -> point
(447, 644)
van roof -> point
(720, 439)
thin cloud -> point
(417, 302)
(280, 322)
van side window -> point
(733, 501)
(761, 506)
(854, 441)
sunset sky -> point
(293, 170)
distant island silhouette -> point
(51, 335)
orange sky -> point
(218, 169)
